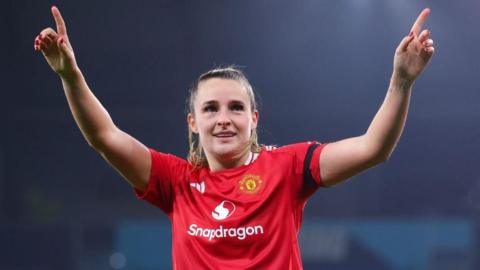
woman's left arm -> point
(343, 159)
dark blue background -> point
(320, 70)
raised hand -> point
(414, 51)
(56, 47)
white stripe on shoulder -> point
(270, 147)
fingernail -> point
(411, 33)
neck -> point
(219, 163)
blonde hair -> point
(196, 155)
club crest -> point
(250, 184)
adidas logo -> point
(200, 187)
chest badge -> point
(250, 184)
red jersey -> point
(241, 218)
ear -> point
(191, 123)
(255, 116)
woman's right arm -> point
(127, 155)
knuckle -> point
(48, 31)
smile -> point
(224, 134)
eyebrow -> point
(214, 102)
(210, 102)
(237, 102)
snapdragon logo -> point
(223, 210)
(240, 233)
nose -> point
(223, 119)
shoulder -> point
(296, 153)
(293, 149)
(168, 162)
(165, 156)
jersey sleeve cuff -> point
(315, 165)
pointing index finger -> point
(61, 28)
(417, 26)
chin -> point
(227, 150)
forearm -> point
(387, 125)
(411, 57)
(91, 117)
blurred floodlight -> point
(117, 260)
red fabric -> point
(242, 218)
(314, 165)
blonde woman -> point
(232, 203)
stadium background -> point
(320, 68)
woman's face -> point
(223, 118)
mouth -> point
(224, 134)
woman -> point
(233, 204)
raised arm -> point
(346, 158)
(127, 155)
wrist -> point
(401, 82)
(70, 76)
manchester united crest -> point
(250, 183)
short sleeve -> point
(311, 164)
(165, 171)
(307, 163)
